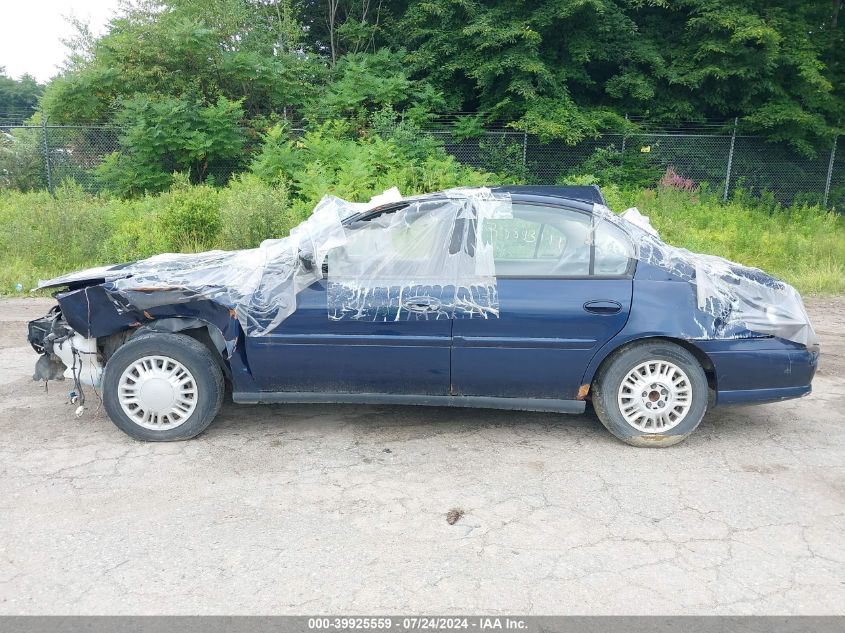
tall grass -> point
(802, 244)
(42, 236)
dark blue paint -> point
(90, 312)
(542, 340)
(786, 369)
(582, 193)
(550, 339)
(761, 396)
(666, 307)
(309, 352)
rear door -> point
(564, 290)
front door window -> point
(422, 261)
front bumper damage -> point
(64, 353)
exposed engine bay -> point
(64, 352)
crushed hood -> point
(86, 277)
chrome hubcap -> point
(655, 396)
(157, 393)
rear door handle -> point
(603, 307)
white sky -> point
(31, 32)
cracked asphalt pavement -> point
(343, 509)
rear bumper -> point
(748, 375)
(760, 396)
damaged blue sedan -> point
(523, 298)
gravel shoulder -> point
(343, 509)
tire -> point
(663, 400)
(150, 369)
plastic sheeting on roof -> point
(427, 259)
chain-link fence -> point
(724, 163)
(41, 157)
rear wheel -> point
(652, 393)
(163, 387)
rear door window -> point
(540, 241)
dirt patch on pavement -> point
(828, 318)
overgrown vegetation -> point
(204, 95)
(18, 97)
(802, 244)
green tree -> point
(338, 27)
(243, 50)
(18, 97)
(363, 83)
(567, 68)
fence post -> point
(524, 147)
(830, 171)
(47, 155)
(730, 162)
(624, 140)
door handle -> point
(422, 305)
(603, 307)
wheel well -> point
(702, 358)
(201, 334)
(109, 344)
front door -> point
(308, 352)
(564, 290)
(374, 324)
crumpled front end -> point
(64, 353)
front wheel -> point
(652, 393)
(163, 387)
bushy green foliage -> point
(189, 217)
(334, 158)
(467, 127)
(560, 118)
(22, 160)
(18, 97)
(609, 166)
(41, 236)
(363, 83)
(195, 85)
(173, 135)
(251, 211)
(504, 157)
(245, 51)
(568, 68)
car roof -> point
(581, 193)
(581, 196)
